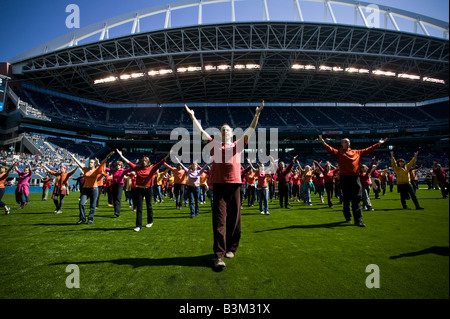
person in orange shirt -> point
(90, 188)
(179, 181)
(349, 168)
(61, 188)
(251, 187)
(101, 184)
(4, 173)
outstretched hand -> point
(259, 108)
(382, 140)
(190, 112)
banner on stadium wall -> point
(332, 132)
(163, 132)
(359, 132)
(136, 132)
(390, 130)
(417, 129)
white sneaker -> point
(267, 213)
(262, 213)
(229, 254)
(7, 210)
(218, 262)
(137, 229)
(149, 225)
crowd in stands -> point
(42, 105)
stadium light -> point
(325, 68)
(252, 66)
(385, 73)
(165, 71)
(223, 67)
(409, 76)
(433, 80)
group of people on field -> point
(226, 181)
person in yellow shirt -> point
(404, 186)
(158, 187)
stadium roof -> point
(233, 62)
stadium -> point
(337, 69)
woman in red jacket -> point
(144, 183)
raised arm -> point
(374, 167)
(412, 162)
(107, 158)
(197, 124)
(393, 162)
(76, 161)
(249, 131)
(273, 166)
(332, 151)
(122, 157)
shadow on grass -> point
(441, 251)
(327, 225)
(188, 261)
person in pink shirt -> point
(296, 181)
(328, 176)
(262, 186)
(118, 174)
(22, 190)
(226, 180)
(376, 183)
(366, 182)
(283, 181)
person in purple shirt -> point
(118, 174)
(22, 190)
(193, 185)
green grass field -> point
(304, 252)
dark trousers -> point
(179, 192)
(58, 203)
(116, 190)
(296, 191)
(21, 198)
(226, 218)
(283, 193)
(91, 194)
(405, 190)
(444, 189)
(100, 191)
(251, 194)
(142, 193)
(2, 192)
(352, 195)
(329, 188)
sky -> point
(25, 24)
